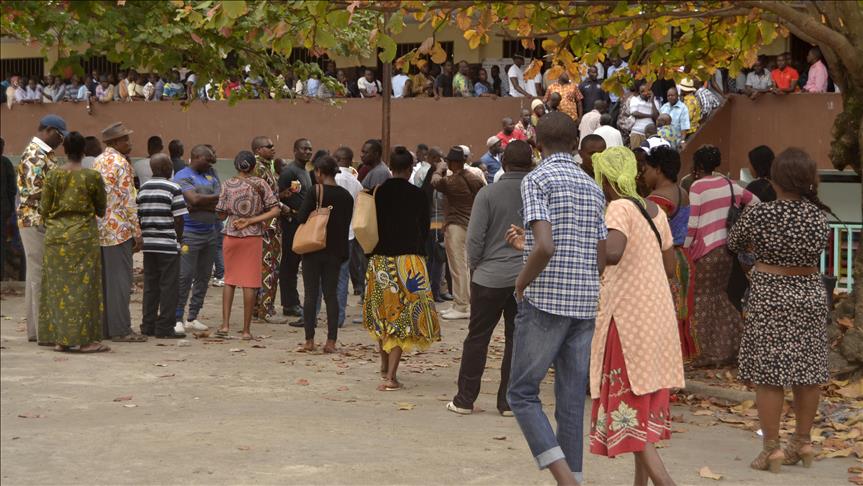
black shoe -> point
(297, 323)
(295, 311)
(358, 292)
(438, 299)
(171, 335)
(447, 296)
(148, 332)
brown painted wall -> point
(800, 120)
(443, 122)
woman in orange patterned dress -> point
(635, 355)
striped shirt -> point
(560, 192)
(709, 200)
(160, 201)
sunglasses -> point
(269, 146)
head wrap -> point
(533, 104)
(244, 161)
(618, 165)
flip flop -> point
(222, 334)
(130, 338)
(101, 348)
(247, 338)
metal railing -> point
(843, 249)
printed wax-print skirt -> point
(682, 290)
(622, 421)
(716, 323)
(785, 333)
(399, 308)
(243, 261)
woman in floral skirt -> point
(635, 355)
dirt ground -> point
(258, 412)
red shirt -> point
(505, 139)
(785, 78)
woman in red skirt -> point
(245, 202)
(635, 355)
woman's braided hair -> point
(794, 171)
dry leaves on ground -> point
(124, 398)
(706, 473)
(30, 415)
(406, 405)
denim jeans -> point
(342, 291)
(542, 339)
(219, 263)
(196, 266)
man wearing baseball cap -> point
(37, 160)
(119, 232)
(491, 159)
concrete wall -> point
(800, 120)
(443, 122)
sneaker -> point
(274, 319)
(506, 413)
(179, 328)
(217, 282)
(195, 325)
(451, 406)
(454, 314)
(447, 296)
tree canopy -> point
(659, 38)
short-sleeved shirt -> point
(143, 171)
(640, 105)
(444, 82)
(160, 201)
(197, 220)
(560, 192)
(785, 78)
(461, 85)
(120, 222)
(591, 91)
(515, 72)
(679, 114)
(376, 176)
(763, 81)
(37, 160)
(245, 197)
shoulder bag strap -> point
(319, 192)
(679, 203)
(646, 215)
(733, 197)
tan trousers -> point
(455, 239)
(635, 140)
(34, 245)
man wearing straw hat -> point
(119, 232)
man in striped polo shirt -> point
(160, 210)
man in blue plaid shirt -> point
(558, 293)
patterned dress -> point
(784, 334)
(70, 312)
(272, 241)
(635, 354)
(398, 309)
(682, 284)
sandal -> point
(100, 348)
(130, 338)
(61, 349)
(247, 337)
(794, 453)
(764, 462)
(222, 334)
(390, 385)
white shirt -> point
(515, 72)
(637, 104)
(348, 180)
(366, 86)
(143, 170)
(420, 172)
(399, 81)
(611, 136)
(498, 175)
(531, 85)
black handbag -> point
(734, 210)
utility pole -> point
(387, 76)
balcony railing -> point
(839, 260)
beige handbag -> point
(365, 222)
(311, 236)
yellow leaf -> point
(470, 34)
(840, 453)
(628, 44)
(532, 70)
(858, 449)
(438, 55)
(463, 20)
(555, 72)
(474, 41)
(852, 390)
(706, 473)
(406, 406)
(549, 44)
(743, 406)
(426, 46)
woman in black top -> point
(323, 266)
(761, 159)
(398, 309)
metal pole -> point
(387, 76)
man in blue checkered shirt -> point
(558, 293)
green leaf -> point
(338, 19)
(396, 24)
(325, 39)
(234, 8)
(388, 47)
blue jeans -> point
(342, 290)
(196, 266)
(219, 264)
(540, 340)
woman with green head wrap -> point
(635, 355)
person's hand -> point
(241, 223)
(515, 237)
(138, 245)
(519, 294)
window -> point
(513, 46)
(101, 64)
(29, 67)
(304, 55)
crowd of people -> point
(603, 262)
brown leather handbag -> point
(311, 236)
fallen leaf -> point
(858, 449)
(303, 381)
(244, 448)
(852, 390)
(201, 335)
(845, 322)
(706, 473)
(342, 388)
(129, 405)
(702, 413)
(840, 453)
(406, 406)
(743, 406)
(499, 437)
(258, 346)
(236, 350)
(59, 358)
(30, 415)
(167, 376)
(124, 398)
(160, 365)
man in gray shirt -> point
(377, 172)
(494, 267)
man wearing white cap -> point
(36, 161)
(491, 159)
